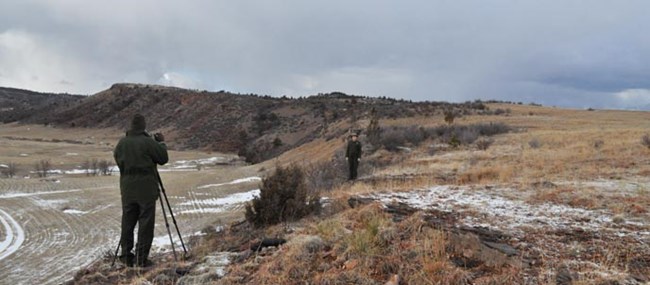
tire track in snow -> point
(57, 243)
(14, 235)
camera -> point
(158, 137)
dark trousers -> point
(354, 164)
(144, 214)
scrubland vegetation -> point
(540, 196)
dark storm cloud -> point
(564, 53)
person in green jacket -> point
(137, 155)
(353, 155)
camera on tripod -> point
(158, 137)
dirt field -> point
(51, 227)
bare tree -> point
(86, 166)
(10, 170)
(94, 167)
(104, 167)
(43, 167)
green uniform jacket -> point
(354, 150)
(137, 155)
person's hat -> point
(138, 122)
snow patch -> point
(228, 200)
(54, 203)
(17, 195)
(218, 205)
(203, 161)
(112, 169)
(163, 244)
(203, 211)
(236, 181)
(503, 213)
(14, 235)
(74, 212)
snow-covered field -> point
(50, 230)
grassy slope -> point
(365, 246)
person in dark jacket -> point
(353, 156)
(137, 155)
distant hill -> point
(258, 127)
(18, 104)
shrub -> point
(598, 144)
(283, 197)
(467, 136)
(450, 116)
(454, 141)
(499, 111)
(484, 143)
(645, 141)
(325, 176)
(455, 135)
(256, 152)
(277, 142)
(374, 131)
(445, 133)
(414, 135)
(392, 139)
(535, 143)
(491, 129)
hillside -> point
(257, 127)
(560, 198)
(506, 194)
(18, 104)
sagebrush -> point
(284, 196)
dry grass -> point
(365, 246)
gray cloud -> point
(565, 53)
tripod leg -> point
(168, 231)
(162, 188)
(116, 251)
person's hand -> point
(159, 137)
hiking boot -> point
(127, 259)
(146, 263)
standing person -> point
(137, 155)
(353, 155)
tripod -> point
(161, 188)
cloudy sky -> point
(555, 52)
